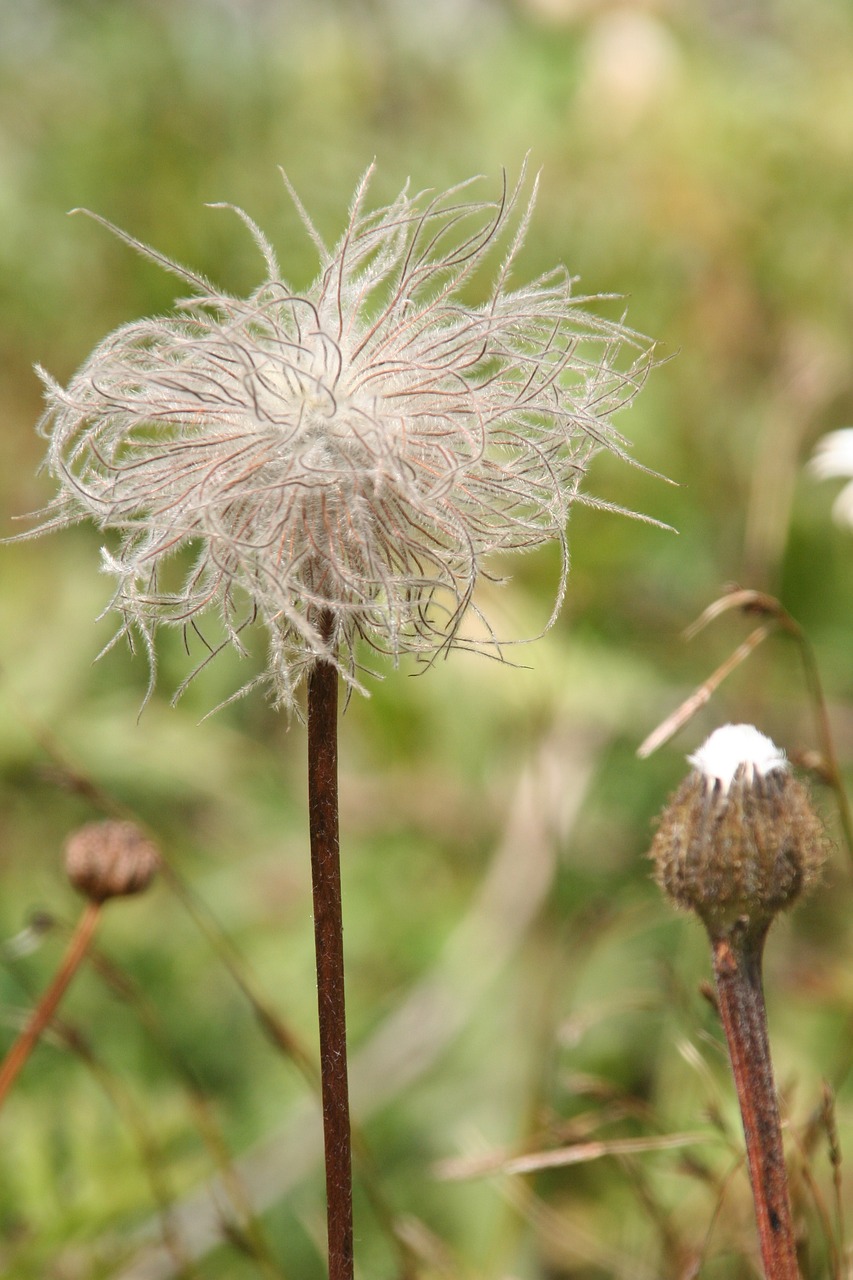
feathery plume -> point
(354, 452)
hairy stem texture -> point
(328, 937)
(737, 970)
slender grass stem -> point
(737, 956)
(47, 1005)
(328, 937)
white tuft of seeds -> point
(733, 745)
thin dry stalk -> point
(560, 1157)
(702, 695)
(828, 1112)
(329, 938)
(49, 1002)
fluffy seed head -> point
(739, 840)
(110, 860)
(337, 465)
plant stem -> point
(47, 1005)
(737, 957)
(328, 938)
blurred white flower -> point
(630, 65)
(833, 457)
(336, 465)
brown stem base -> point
(328, 938)
(737, 970)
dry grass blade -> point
(822, 1125)
(830, 1123)
(738, 598)
(833, 1259)
(723, 1186)
(577, 1153)
(700, 696)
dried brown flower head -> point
(739, 839)
(355, 452)
(110, 859)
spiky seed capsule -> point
(110, 860)
(739, 839)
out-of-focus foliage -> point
(696, 158)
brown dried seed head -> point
(742, 845)
(110, 859)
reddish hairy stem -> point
(47, 1005)
(737, 970)
(328, 939)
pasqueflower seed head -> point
(739, 840)
(338, 465)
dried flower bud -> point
(739, 839)
(110, 859)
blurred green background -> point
(515, 982)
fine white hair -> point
(734, 745)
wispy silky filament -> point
(359, 450)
